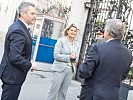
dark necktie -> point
(29, 30)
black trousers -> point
(10, 91)
(86, 93)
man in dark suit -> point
(106, 65)
(17, 52)
(99, 40)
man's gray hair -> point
(24, 6)
(115, 28)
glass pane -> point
(51, 29)
(37, 27)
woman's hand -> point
(74, 55)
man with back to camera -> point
(106, 65)
(99, 39)
(17, 53)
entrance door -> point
(46, 32)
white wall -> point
(7, 15)
(78, 16)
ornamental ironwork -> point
(98, 13)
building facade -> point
(8, 10)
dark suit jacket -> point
(17, 54)
(105, 67)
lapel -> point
(25, 28)
(67, 44)
(74, 47)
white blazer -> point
(62, 53)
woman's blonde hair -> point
(67, 28)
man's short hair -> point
(24, 7)
(115, 28)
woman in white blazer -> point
(65, 54)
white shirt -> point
(27, 26)
(110, 39)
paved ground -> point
(37, 84)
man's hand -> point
(33, 67)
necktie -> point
(30, 31)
